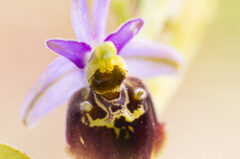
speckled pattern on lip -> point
(103, 134)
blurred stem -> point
(7, 152)
(121, 9)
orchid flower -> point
(95, 73)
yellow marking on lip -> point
(127, 136)
(83, 120)
(81, 140)
(131, 129)
(108, 120)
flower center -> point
(105, 70)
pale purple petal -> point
(100, 14)
(81, 21)
(125, 33)
(74, 51)
(61, 79)
(146, 59)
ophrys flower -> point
(108, 103)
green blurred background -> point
(202, 119)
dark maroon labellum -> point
(122, 128)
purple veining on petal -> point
(125, 33)
(145, 59)
(61, 79)
(100, 14)
(73, 50)
(81, 21)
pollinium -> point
(119, 125)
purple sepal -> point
(57, 84)
(74, 51)
(81, 21)
(100, 14)
(146, 59)
(125, 33)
